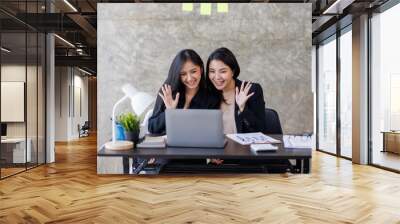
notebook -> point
(153, 142)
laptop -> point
(198, 128)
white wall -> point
(16, 73)
(70, 83)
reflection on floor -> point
(10, 171)
(387, 159)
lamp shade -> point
(140, 101)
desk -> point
(13, 150)
(232, 150)
(391, 141)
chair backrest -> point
(272, 122)
(86, 125)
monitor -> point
(3, 129)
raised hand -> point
(166, 96)
(242, 95)
(217, 161)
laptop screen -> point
(3, 129)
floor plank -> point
(70, 191)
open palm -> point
(242, 95)
(166, 96)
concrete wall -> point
(272, 42)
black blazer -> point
(202, 100)
(253, 118)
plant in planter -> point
(131, 124)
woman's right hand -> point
(166, 96)
(217, 161)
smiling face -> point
(220, 74)
(190, 75)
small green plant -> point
(129, 121)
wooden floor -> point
(70, 191)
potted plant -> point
(131, 125)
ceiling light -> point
(5, 50)
(70, 5)
(65, 41)
(337, 7)
(84, 71)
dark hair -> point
(227, 57)
(180, 59)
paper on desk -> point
(263, 147)
(296, 141)
(252, 138)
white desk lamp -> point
(140, 101)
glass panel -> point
(23, 89)
(386, 89)
(13, 87)
(327, 96)
(41, 98)
(31, 100)
(346, 93)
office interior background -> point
(49, 85)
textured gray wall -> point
(272, 42)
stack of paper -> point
(295, 141)
(153, 142)
(252, 138)
(263, 148)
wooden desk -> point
(232, 150)
(391, 141)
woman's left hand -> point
(242, 95)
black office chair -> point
(84, 129)
(272, 122)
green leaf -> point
(129, 122)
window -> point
(327, 95)
(385, 87)
(346, 93)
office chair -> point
(272, 122)
(84, 130)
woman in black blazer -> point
(242, 103)
(185, 87)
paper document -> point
(296, 141)
(263, 148)
(252, 138)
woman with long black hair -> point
(184, 88)
(242, 103)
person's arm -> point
(156, 123)
(252, 117)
